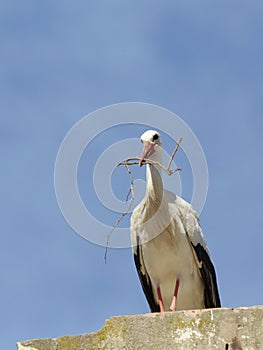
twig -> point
(131, 191)
(133, 161)
(173, 154)
(148, 161)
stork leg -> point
(160, 299)
(173, 304)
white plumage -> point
(170, 252)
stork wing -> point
(207, 270)
(144, 277)
(200, 250)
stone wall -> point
(225, 329)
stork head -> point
(152, 146)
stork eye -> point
(155, 137)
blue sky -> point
(62, 60)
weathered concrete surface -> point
(226, 329)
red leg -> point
(160, 299)
(173, 304)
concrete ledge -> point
(226, 329)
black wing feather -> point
(207, 270)
(145, 279)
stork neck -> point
(154, 183)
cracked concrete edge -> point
(239, 329)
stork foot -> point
(160, 300)
(173, 304)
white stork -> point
(170, 252)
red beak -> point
(147, 151)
